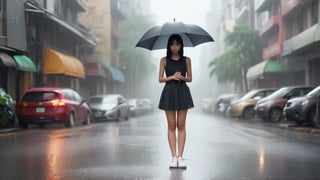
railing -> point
(288, 5)
(272, 50)
(259, 4)
(274, 20)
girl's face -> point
(175, 47)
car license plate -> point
(40, 110)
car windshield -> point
(40, 96)
(314, 92)
(279, 93)
(103, 100)
(248, 95)
(131, 101)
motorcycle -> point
(7, 115)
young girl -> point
(176, 98)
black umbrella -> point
(157, 37)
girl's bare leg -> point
(172, 125)
(181, 116)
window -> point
(314, 12)
(40, 96)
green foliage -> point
(135, 60)
(226, 67)
(245, 51)
(248, 43)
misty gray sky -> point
(188, 11)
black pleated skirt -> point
(175, 96)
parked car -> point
(135, 107)
(244, 107)
(146, 105)
(303, 109)
(112, 106)
(271, 107)
(223, 102)
(52, 105)
(208, 105)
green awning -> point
(267, 66)
(24, 63)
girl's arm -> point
(161, 72)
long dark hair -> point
(174, 37)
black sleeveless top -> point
(176, 94)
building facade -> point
(271, 72)
(104, 72)
(16, 67)
(301, 40)
(58, 43)
(289, 30)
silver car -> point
(105, 107)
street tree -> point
(134, 61)
(245, 51)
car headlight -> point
(304, 102)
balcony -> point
(261, 5)
(81, 5)
(272, 50)
(288, 5)
(243, 16)
(272, 22)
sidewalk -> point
(7, 130)
(13, 128)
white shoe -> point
(174, 162)
(182, 163)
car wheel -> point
(313, 119)
(128, 116)
(311, 116)
(118, 116)
(23, 125)
(87, 121)
(276, 115)
(42, 125)
(70, 122)
(248, 113)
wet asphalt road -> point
(216, 148)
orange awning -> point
(58, 63)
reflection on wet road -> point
(216, 148)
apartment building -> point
(103, 72)
(58, 43)
(301, 40)
(16, 67)
(271, 72)
(226, 24)
(245, 14)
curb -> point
(300, 129)
(315, 131)
(9, 130)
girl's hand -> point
(176, 76)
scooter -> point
(7, 115)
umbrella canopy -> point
(157, 37)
